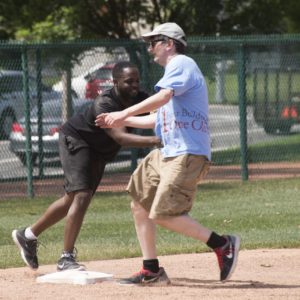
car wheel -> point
(7, 119)
(269, 128)
(22, 157)
(285, 128)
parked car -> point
(12, 101)
(98, 81)
(51, 122)
(278, 115)
(79, 83)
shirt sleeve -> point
(100, 106)
(177, 79)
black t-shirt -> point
(81, 126)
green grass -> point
(231, 89)
(283, 148)
(264, 214)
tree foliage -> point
(253, 17)
(292, 9)
(89, 19)
(58, 25)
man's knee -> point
(137, 209)
(82, 199)
(135, 206)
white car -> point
(78, 83)
(50, 125)
(12, 105)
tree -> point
(292, 15)
(90, 19)
(195, 17)
(58, 25)
(253, 17)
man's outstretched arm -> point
(116, 119)
(126, 139)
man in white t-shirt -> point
(164, 184)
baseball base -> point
(74, 277)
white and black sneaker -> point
(28, 248)
(68, 262)
(227, 256)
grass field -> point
(285, 148)
(269, 87)
(265, 214)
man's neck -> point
(170, 57)
(123, 100)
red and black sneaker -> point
(145, 277)
(227, 256)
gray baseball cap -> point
(171, 30)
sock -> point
(216, 241)
(29, 234)
(67, 254)
(151, 265)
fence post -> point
(266, 93)
(145, 69)
(39, 111)
(144, 64)
(243, 111)
(26, 99)
(67, 102)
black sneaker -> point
(227, 256)
(28, 248)
(145, 277)
(68, 262)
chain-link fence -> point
(254, 96)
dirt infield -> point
(260, 274)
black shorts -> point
(83, 168)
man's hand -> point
(111, 120)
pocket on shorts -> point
(204, 170)
(74, 144)
(177, 201)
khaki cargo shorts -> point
(166, 186)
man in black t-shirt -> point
(84, 151)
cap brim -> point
(149, 35)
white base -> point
(74, 277)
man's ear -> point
(170, 43)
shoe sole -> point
(15, 238)
(165, 281)
(236, 253)
(158, 283)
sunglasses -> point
(154, 42)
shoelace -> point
(219, 252)
(142, 272)
(33, 246)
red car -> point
(98, 81)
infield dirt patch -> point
(260, 274)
